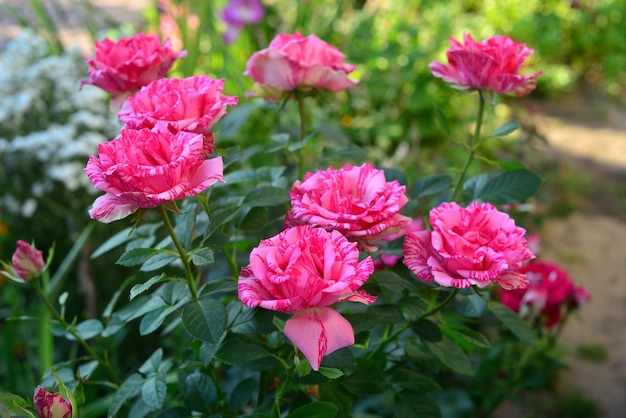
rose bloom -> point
(477, 245)
(51, 405)
(550, 290)
(27, 261)
(356, 201)
(492, 64)
(239, 13)
(121, 67)
(296, 62)
(192, 104)
(145, 169)
(305, 270)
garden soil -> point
(585, 135)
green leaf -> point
(127, 390)
(505, 129)
(200, 392)
(238, 351)
(205, 320)
(510, 186)
(451, 355)
(202, 257)
(87, 329)
(394, 282)
(427, 330)
(331, 372)
(242, 393)
(159, 261)
(138, 289)
(392, 174)
(136, 256)
(333, 391)
(513, 322)
(430, 185)
(153, 320)
(470, 336)
(413, 405)
(154, 390)
(12, 405)
(185, 224)
(471, 306)
(413, 381)
(315, 410)
(151, 365)
(365, 381)
(266, 196)
(126, 235)
(473, 186)
(220, 217)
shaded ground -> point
(586, 135)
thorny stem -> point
(71, 330)
(472, 147)
(191, 280)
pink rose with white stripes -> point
(357, 201)
(305, 270)
(145, 169)
(477, 245)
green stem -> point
(279, 395)
(302, 111)
(70, 328)
(44, 339)
(473, 146)
(387, 338)
(191, 280)
(441, 305)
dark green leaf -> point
(473, 337)
(394, 282)
(510, 186)
(202, 257)
(473, 186)
(151, 365)
(136, 256)
(334, 392)
(220, 217)
(392, 174)
(365, 381)
(153, 320)
(159, 261)
(331, 373)
(513, 322)
(413, 381)
(200, 392)
(122, 237)
(128, 389)
(471, 306)
(239, 352)
(505, 129)
(185, 224)
(142, 287)
(153, 391)
(205, 320)
(427, 330)
(266, 196)
(315, 410)
(242, 393)
(414, 405)
(451, 355)
(87, 329)
(430, 185)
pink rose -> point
(305, 270)
(145, 169)
(492, 64)
(477, 245)
(192, 104)
(356, 201)
(27, 261)
(549, 291)
(296, 62)
(121, 67)
(51, 405)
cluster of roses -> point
(163, 154)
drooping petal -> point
(109, 207)
(318, 332)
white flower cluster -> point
(49, 126)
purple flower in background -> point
(239, 13)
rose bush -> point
(477, 245)
(356, 201)
(492, 64)
(295, 62)
(145, 169)
(304, 270)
